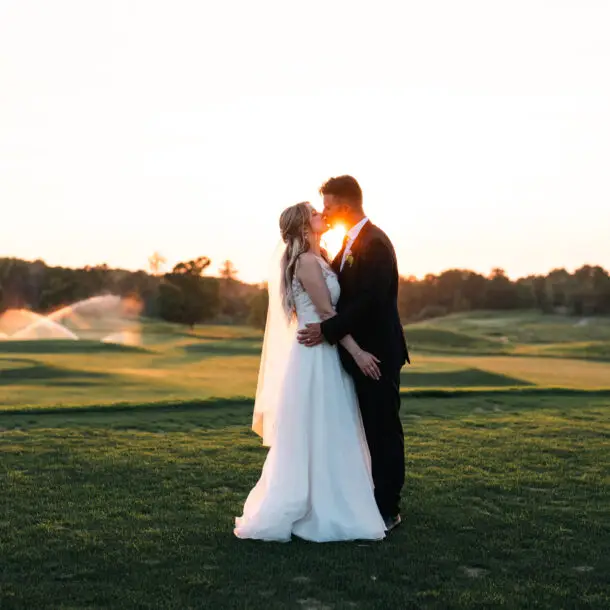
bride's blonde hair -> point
(295, 225)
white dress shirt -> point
(352, 234)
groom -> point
(368, 310)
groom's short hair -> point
(346, 187)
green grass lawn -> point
(518, 333)
(121, 473)
(523, 327)
(506, 506)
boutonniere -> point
(349, 259)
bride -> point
(316, 481)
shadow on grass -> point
(164, 406)
(50, 375)
(465, 378)
(435, 403)
(59, 346)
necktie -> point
(343, 249)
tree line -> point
(187, 296)
(182, 295)
(584, 292)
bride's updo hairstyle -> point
(295, 223)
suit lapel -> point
(360, 241)
(356, 248)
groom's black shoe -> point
(392, 523)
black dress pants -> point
(380, 405)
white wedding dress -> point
(316, 481)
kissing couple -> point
(328, 396)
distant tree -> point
(15, 283)
(259, 304)
(474, 286)
(156, 262)
(227, 271)
(450, 290)
(195, 267)
(539, 294)
(170, 302)
(559, 287)
(186, 297)
(501, 292)
(590, 291)
(233, 301)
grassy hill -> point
(173, 363)
(523, 327)
(520, 333)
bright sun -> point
(333, 240)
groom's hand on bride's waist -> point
(311, 335)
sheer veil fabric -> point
(279, 339)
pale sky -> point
(479, 130)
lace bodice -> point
(306, 310)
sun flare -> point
(333, 239)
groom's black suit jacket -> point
(368, 305)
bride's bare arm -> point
(310, 275)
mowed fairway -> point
(498, 371)
(121, 475)
(175, 364)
